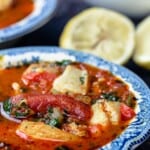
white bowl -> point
(132, 8)
(43, 11)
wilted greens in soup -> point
(62, 105)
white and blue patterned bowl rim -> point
(41, 14)
(139, 130)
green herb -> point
(50, 110)
(64, 62)
(94, 101)
(62, 148)
(20, 114)
(18, 111)
(21, 110)
(51, 117)
(7, 105)
(82, 80)
(54, 122)
(110, 96)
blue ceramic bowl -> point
(139, 129)
(43, 11)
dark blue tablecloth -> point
(50, 33)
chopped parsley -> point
(54, 122)
(62, 148)
(17, 111)
(51, 117)
(63, 62)
(7, 105)
(110, 96)
(82, 80)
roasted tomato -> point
(40, 76)
(127, 113)
(40, 102)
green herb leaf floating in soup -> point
(7, 106)
(66, 105)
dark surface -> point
(50, 33)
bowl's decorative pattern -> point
(138, 131)
(43, 10)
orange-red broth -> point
(19, 10)
(98, 139)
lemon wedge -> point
(142, 48)
(101, 32)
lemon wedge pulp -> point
(101, 32)
(142, 48)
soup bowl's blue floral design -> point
(139, 129)
(43, 10)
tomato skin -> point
(41, 102)
(39, 80)
(127, 113)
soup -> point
(17, 11)
(62, 105)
